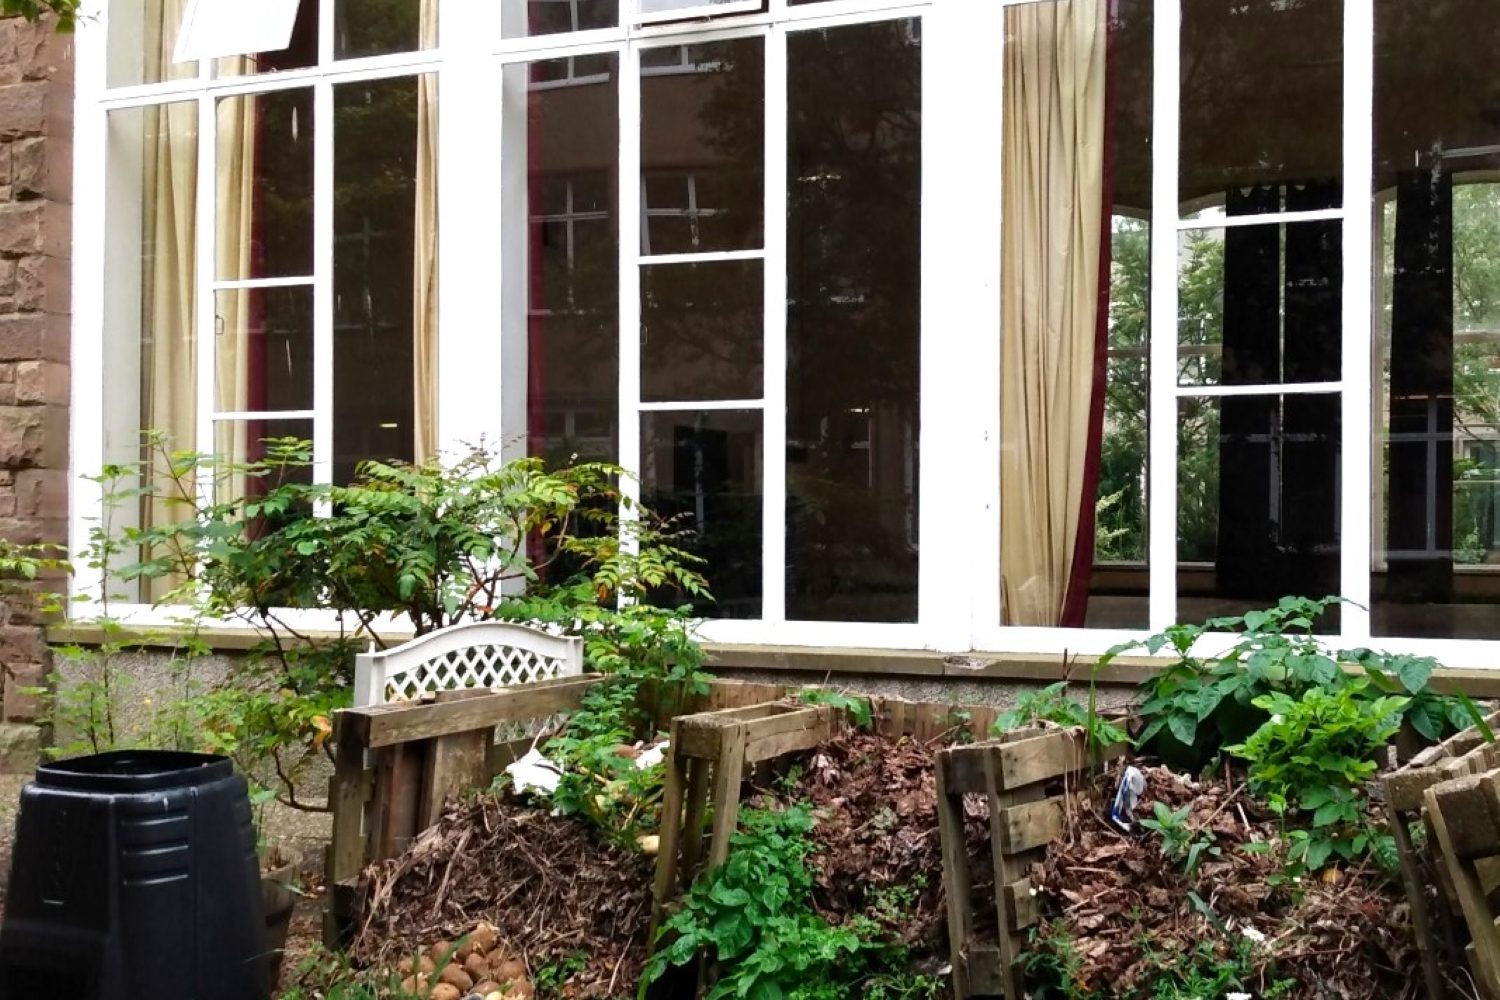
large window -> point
(726, 296)
(270, 248)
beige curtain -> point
(425, 320)
(234, 215)
(1053, 191)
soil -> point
(552, 887)
(1123, 908)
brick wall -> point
(36, 158)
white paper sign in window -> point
(213, 29)
(682, 10)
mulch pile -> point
(1124, 906)
(550, 886)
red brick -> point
(21, 226)
(41, 383)
(22, 678)
(38, 283)
(34, 437)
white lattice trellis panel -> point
(475, 655)
(473, 667)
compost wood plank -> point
(1033, 824)
(397, 783)
(1009, 869)
(1416, 897)
(1471, 813)
(729, 769)
(810, 731)
(454, 764)
(957, 886)
(388, 725)
(348, 793)
(692, 822)
(1477, 913)
(667, 860)
(1022, 903)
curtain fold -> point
(425, 320)
(1054, 135)
(234, 260)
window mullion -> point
(1162, 483)
(630, 281)
(774, 286)
(323, 305)
(1357, 475)
(207, 222)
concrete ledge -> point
(831, 663)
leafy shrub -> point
(1179, 841)
(752, 915)
(1198, 705)
(1054, 704)
(1312, 759)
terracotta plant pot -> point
(278, 873)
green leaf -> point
(1184, 728)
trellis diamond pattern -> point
(472, 667)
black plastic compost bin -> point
(134, 876)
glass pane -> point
(1436, 566)
(703, 147)
(240, 442)
(263, 349)
(149, 297)
(265, 186)
(381, 27)
(1260, 305)
(701, 335)
(301, 53)
(561, 234)
(1262, 97)
(854, 305)
(142, 38)
(552, 17)
(1257, 503)
(704, 468)
(384, 272)
(1076, 300)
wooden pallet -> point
(396, 764)
(710, 752)
(1439, 938)
(1464, 816)
(1022, 776)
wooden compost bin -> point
(1405, 791)
(1024, 778)
(395, 765)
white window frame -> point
(963, 76)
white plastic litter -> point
(534, 771)
(651, 756)
(1127, 797)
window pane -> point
(239, 442)
(703, 147)
(384, 272)
(701, 334)
(380, 27)
(705, 469)
(1257, 502)
(552, 17)
(1076, 312)
(263, 349)
(1260, 305)
(301, 53)
(142, 37)
(1262, 97)
(265, 186)
(149, 296)
(854, 321)
(1437, 334)
(561, 233)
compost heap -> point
(1122, 907)
(551, 887)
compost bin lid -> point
(134, 771)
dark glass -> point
(265, 182)
(704, 470)
(376, 270)
(1261, 304)
(239, 442)
(1436, 420)
(1262, 97)
(703, 147)
(264, 349)
(571, 245)
(300, 53)
(525, 18)
(701, 332)
(1257, 502)
(854, 322)
(381, 27)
